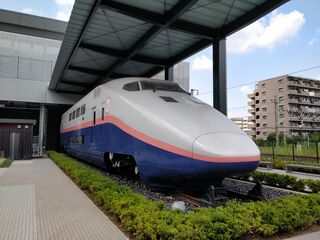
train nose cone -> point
(225, 147)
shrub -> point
(146, 219)
(4, 163)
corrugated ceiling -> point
(108, 39)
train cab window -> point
(73, 114)
(161, 86)
(134, 86)
(102, 113)
(78, 112)
(70, 116)
(83, 109)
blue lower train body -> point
(158, 168)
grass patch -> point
(4, 163)
(146, 219)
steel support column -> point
(168, 73)
(42, 128)
(219, 75)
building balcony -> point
(293, 100)
(251, 103)
(252, 119)
(252, 111)
(251, 95)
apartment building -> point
(285, 104)
(243, 123)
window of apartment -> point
(264, 93)
(258, 125)
(263, 85)
(281, 115)
(280, 90)
(281, 99)
(265, 133)
(257, 94)
(257, 109)
(264, 125)
(280, 81)
(258, 132)
(281, 107)
(264, 117)
(257, 117)
(257, 101)
(264, 100)
(264, 109)
(281, 124)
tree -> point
(271, 138)
(315, 137)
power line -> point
(250, 83)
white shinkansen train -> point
(157, 130)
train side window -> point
(78, 112)
(102, 113)
(94, 117)
(83, 109)
(73, 114)
(134, 86)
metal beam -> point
(87, 70)
(251, 16)
(174, 13)
(53, 86)
(77, 84)
(193, 49)
(219, 75)
(153, 72)
(122, 54)
(168, 73)
(159, 19)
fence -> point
(298, 151)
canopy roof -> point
(108, 39)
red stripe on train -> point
(160, 144)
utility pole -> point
(276, 119)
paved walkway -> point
(293, 173)
(39, 202)
(310, 236)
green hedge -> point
(284, 181)
(4, 163)
(281, 164)
(146, 219)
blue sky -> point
(285, 41)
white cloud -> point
(267, 33)
(65, 2)
(65, 8)
(29, 10)
(246, 89)
(32, 11)
(202, 63)
(63, 16)
(312, 41)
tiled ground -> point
(37, 201)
